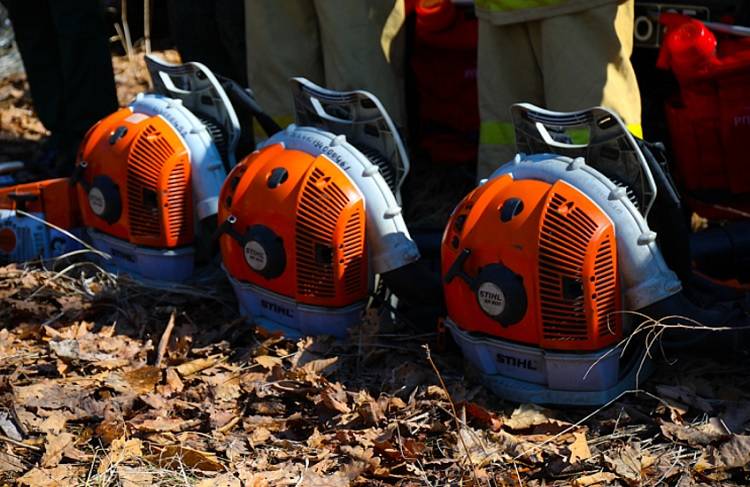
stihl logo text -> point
(521, 363)
(275, 308)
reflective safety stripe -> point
(497, 133)
(282, 120)
(507, 5)
(580, 136)
(502, 133)
(636, 129)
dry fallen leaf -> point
(627, 463)
(54, 422)
(134, 476)
(195, 366)
(121, 450)
(684, 395)
(579, 449)
(694, 436)
(58, 476)
(54, 448)
(11, 463)
(334, 398)
(139, 381)
(343, 478)
(175, 455)
(267, 361)
(9, 428)
(733, 453)
(525, 416)
(599, 479)
(490, 419)
(223, 480)
(324, 366)
(173, 384)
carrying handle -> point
(227, 227)
(322, 113)
(11, 167)
(457, 269)
(21, 199)
(365, 122)
(244, 98)
(536, 126)
(77, 176)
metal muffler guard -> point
(531, 375)
(280, 314)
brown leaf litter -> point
(82, 399)
(104, 381)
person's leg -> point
(586, 62)
(507, 73)
(230, 19)
(363, 49)
(35, 37)
(282, 41)
(88, 84)
(210, 32)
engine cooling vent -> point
(320, 207)
(385, 168)
(632, 196)
(145, 165)
(178, 203)
(219, 138)
(565, 235)
(604, 297)
(353, 255)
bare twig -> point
(455, 415)
(19, 443)
(126, 29)
(164, 341)
(147, 25)
(64, 232)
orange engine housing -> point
(134, 181)
(299, 229)
(533, 263)
(55, 198)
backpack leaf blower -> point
(310, 217)
(24, 209)
(149, 175)
(543, 263)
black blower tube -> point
(678, 309)
(416, 285)
(723, 251)
(244, 99)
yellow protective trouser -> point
(567, 62)
(339, 44)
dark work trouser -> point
(68, 65)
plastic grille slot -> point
(605, 288)
(219, 138)
(145, 164)
(353, 255)
(321, 204)
(177, 202)
(386, 170)
(565, 235)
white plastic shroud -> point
(602, 168)
(342, 126)
(207, 170)
(644, 274)
(200, 92)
